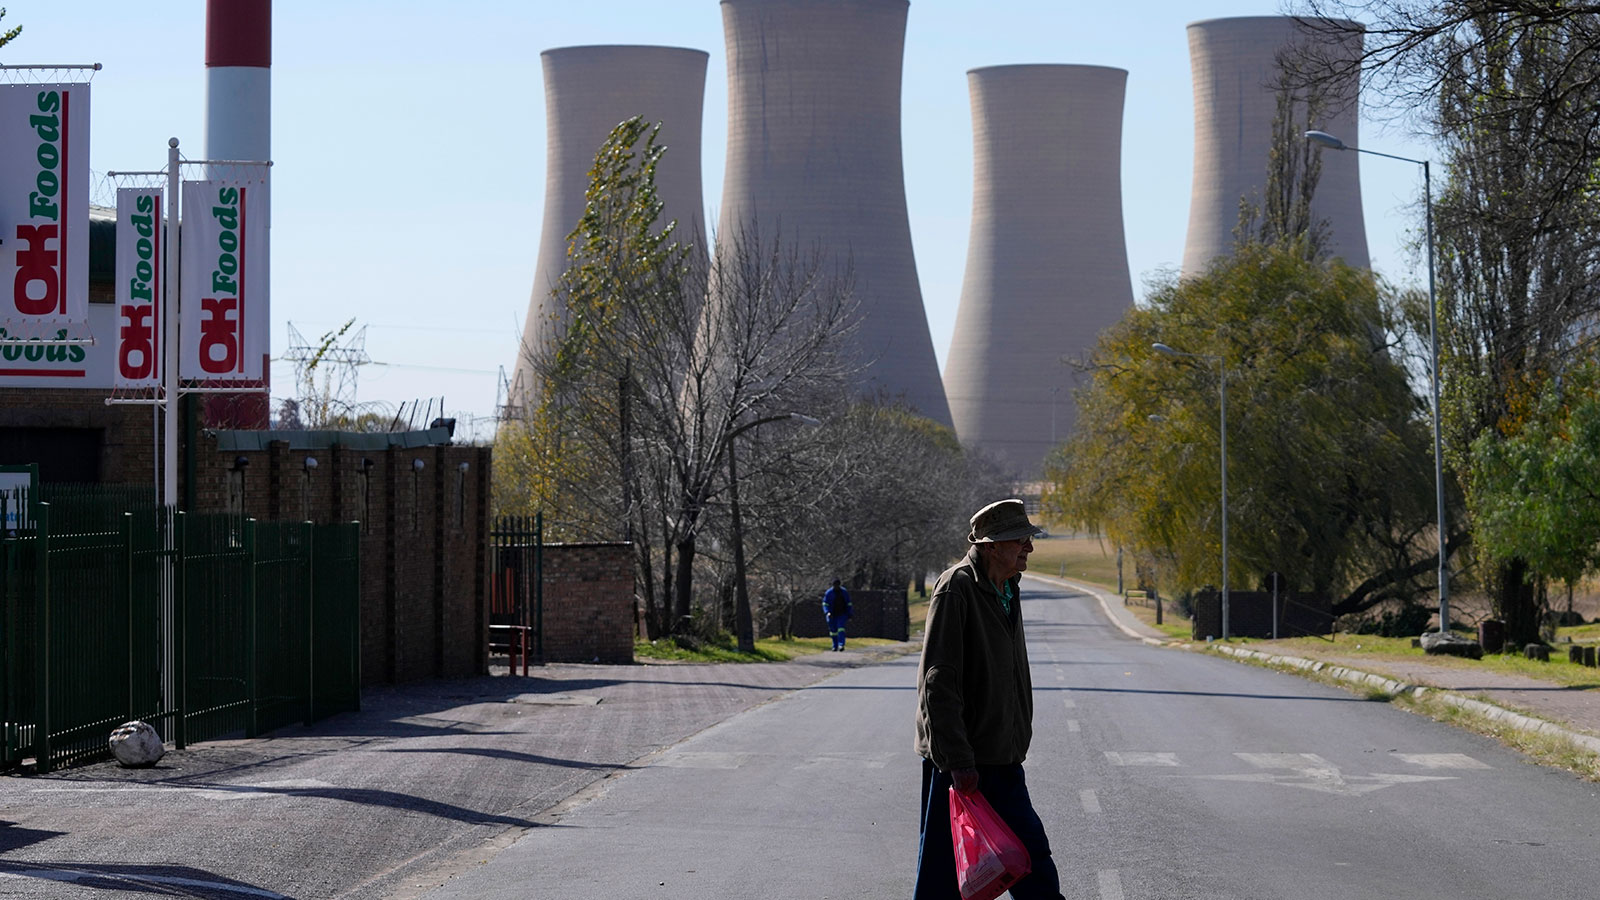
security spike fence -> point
(203, 625)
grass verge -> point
(726, 650)
(1544, 749)
(1083, 558)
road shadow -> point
(374, 797)
(14, 837)
(122, 878)
(510, 756)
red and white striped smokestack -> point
(239, 79)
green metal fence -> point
(201, 625)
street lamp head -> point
(1326, 140)
(802, 417)
(1156, 417)
(1164, 349)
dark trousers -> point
(1007, 792)
(836, 629)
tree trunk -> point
(684, 586)
(664, 625)
(1517, 603)
(647, 587)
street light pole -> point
(1222, 390)
(743, 621)
(1328, 140)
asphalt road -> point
(1158, 774)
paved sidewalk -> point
(426, 780)
(1574, 711)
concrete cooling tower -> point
(814, 151)
(1047, 263)
(1235, 66)
(587, 92)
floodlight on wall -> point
(311, 463)
(366, 463)
(417, 464)
(240, 462)
(463, 467)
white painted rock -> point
(136, 745)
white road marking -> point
(854, 760)
(1297, 761)
(1072, 726)
(692, 759)
(1312, 772)
(1110, 885)
(1441, 760)
(1140, 758)
(1091, 803)
(554, 700)
(73, 875)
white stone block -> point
(136, 745)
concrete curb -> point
(1341, 673)
(1368, 679)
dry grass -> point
(1083, 558)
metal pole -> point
(1222, 379)
(742, 621)
(1275, 579)
(169, 348)
(538, 590)
(1433, 373)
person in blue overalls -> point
(836, 606)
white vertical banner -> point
(140, 281)
(44, 207)
(225, 335)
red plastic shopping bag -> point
(989, 858)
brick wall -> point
(588, 603)
(424, 562)
(127, 448)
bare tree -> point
(661, 360)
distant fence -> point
(875, 613)
(1251, 614)
(202, 625)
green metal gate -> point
(201, 625)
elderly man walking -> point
(975, 702)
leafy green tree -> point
(7, 37)
(1329, 476)
(1536, 481)
(1518, 261)
(1509, 89)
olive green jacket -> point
(974, 691)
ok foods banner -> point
(226, 318)
(139, 286)
(44, 206)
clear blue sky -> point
(409, 144)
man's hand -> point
(965, 780)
